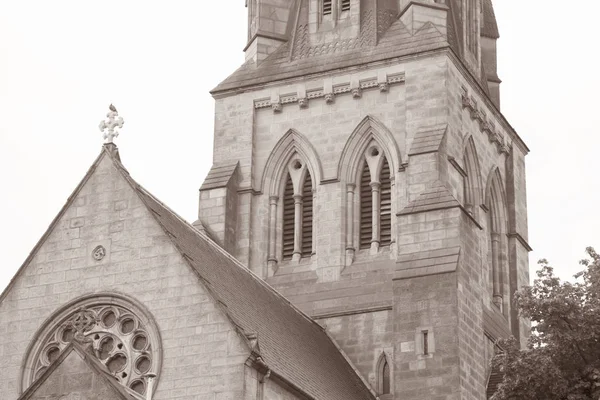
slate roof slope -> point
(395, 42)
(291, 344)
(490, 25)
(94, 365)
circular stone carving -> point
(122, 334)
(99, 253)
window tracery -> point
(120, 335)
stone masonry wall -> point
(74, 380)
(203, 357)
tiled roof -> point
(435, 197)
(291, 344)
(94, 365)
(490, 25)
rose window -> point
(121, 337)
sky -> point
(62, 62)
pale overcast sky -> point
(63, 61)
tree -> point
(562, 357)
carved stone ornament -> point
(384, 87)
(109, 126)
(117, 332)
(277, 107)
(99, 253)
(303, 102)
(357, 93)
(329, 98)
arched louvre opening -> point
(366, 209)
(345, 5)
(327, 7)
(307, 216)
(386, 205)
(288, 219)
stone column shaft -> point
(496, 270)
(272, 257)
(375, 192)
(297, 227)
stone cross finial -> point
(109, 127)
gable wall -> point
(201, 351)
(73, 379)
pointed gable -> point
(77, 374)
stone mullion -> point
(272, 257)
(297, 228)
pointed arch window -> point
(298, 205)
(375, 200)
(383, 376)
(498, 247)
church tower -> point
(363, 168)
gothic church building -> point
(359, 236)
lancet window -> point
(297, 236)
(498, 249)
(383, 376)
(375, 200)
(472, 26)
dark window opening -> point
(307, 217)
(425, 343)
(385, 235)
(366, 209)
(345, 5)
(327, 7)
(288, 219)
(385, 378)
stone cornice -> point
(520, 239)
(273, 36)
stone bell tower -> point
(363, 168)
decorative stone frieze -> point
(301, 97)
(485, 125)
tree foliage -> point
(562, 358)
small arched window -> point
(383, 376)
(297, 240)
